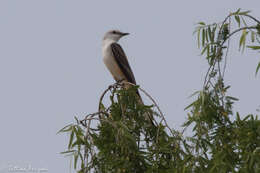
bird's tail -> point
(148, 114)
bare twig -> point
(251, 17)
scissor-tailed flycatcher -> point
(116, 60)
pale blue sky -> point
(51, 67)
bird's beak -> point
(124, 34)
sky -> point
(51, 67)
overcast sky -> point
(51, 66)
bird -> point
(116, 61)
(114, 57)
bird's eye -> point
(114, 32)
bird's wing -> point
(122, 62)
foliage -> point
(118, 138)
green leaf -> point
(202, 95)
(232, 98)
(258, 28)
(195, 93)
(213, 32)
(76, 156)
(71, 139)
(225, 31)
(257, 68)
(252, 36)
(198, 38)
(66, 152)
(206, 34)
(237, 11)
(79, 131)
(238, 117)
(244, 12)
(79, 136)
(238, 20)
(208, 51)
(201, 23)
(210, 34)
(190, 105)
(254, 47)
(242, 41)
(204, 49)
(65, 129)
(77, 142)
(245, 119)
(203, 38)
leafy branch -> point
(119, 138)
(118, 127)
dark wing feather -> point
(121, 60)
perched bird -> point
(116, 61)
(115, 58)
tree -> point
(118, 138)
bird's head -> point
(114, 35)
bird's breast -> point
(111, 63)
